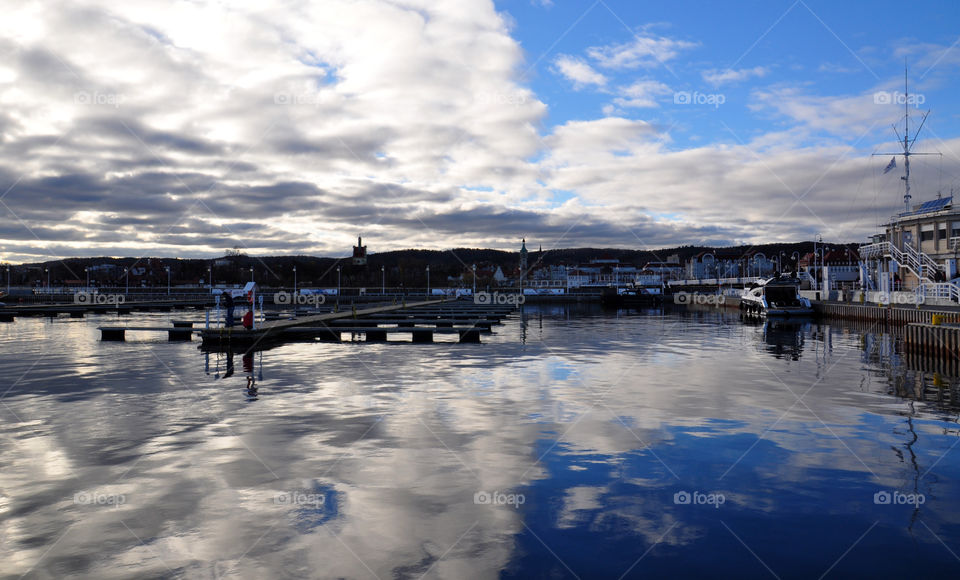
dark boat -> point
(620, 297)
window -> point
(942, 232)
(955, 230)
(926, 232)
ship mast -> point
(906, 140)
(906, 135)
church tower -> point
(359, 253)
(523, 257)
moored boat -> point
(775, 297)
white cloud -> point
(723, 76)
(578, 71)
(642, 51)
(287, 131)
(850, 117)
(641, 94)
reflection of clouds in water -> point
(403, 437)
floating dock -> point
(10, 313)
(420, 320)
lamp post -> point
(817, 250)
(86, 269)
(338, 282)
(428, 281)
(383, 280)
(8, 279)
(294, 280)
(47, 270)
(167, 268)
(126, 277)
(251, 273)
(210, 276)
(474, 279)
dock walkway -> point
(419, 319)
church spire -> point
(523, 256)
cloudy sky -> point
(183, 128)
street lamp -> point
(126, 276)
(338, 282)
(86, 269)
(210, 276)
(47, 270)
(167, 268)
(294, 280)
(428, 280)
(383, 280)
(474, 279)
(251, 273)
(8, 279)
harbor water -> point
(572, 443)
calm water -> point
(572, 443)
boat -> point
(628, 296)
(775, 297)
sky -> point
(166, 128)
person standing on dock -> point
(228, 304)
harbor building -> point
(918, 248)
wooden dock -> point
(941, 340)
(422, 320)
(885, 314)
(10, 313)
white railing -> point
(716, 281)
(942, 290)
(916, 261)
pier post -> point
(376, 335)
(470, 336)
(116, 334)
(421, 336)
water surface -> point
(571, 443)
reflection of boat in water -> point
(785, 338)
(775, 297)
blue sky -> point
(189, 128)
(826, 49)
